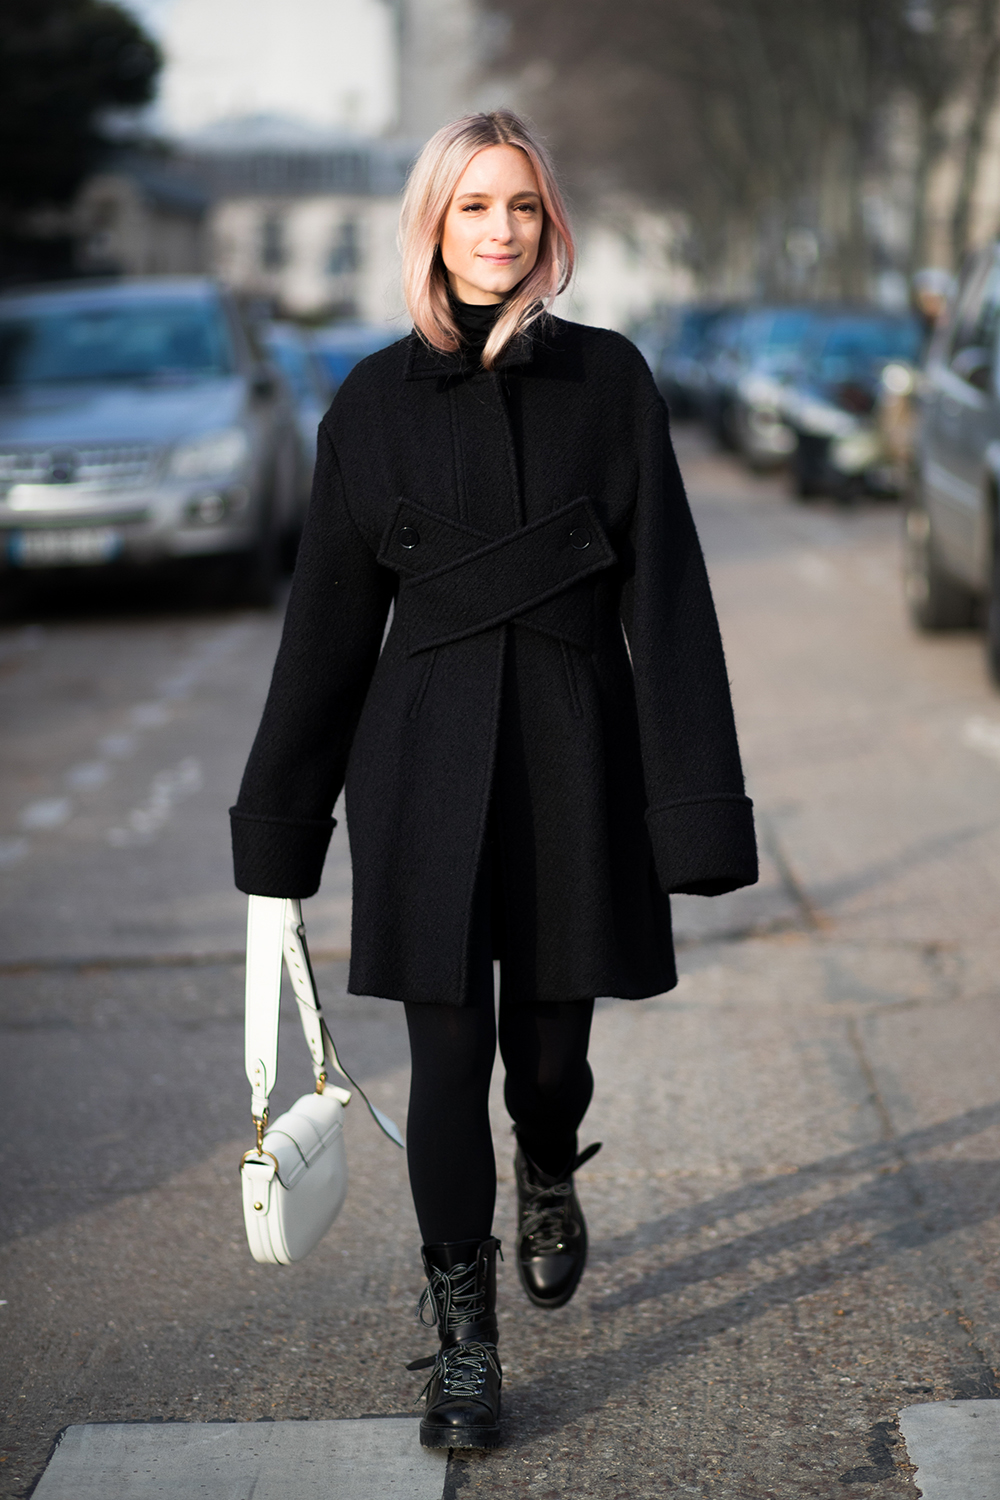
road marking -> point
(166, 790)
(370, 1459)
(118, 746)
(47, 812)
(87, 774)
(12, 851)
(982, 735)
(956, 1448)
(150, 715)
(143, 822)
(816, 569)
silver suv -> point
(139, 424)
(952, 529)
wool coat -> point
(552, 678)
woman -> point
(543, 748)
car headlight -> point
(761, 390)
(899, 379)
(856, 452)
(214, 453)
(819, 420)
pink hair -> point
(429, 191)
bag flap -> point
(297, 1136)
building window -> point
(272, 242)
(345, 252)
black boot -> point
(551, 1230)
(463, 1393)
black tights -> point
(449, 1142)
(543, 1043)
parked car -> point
(831, 403)
(139, 425)
(752, 351)
(675, 346)
(341, 346)
(291, 351)
(769, 354)
(953, 518)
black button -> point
(409, 536)
(580, 537)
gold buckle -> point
(260, 1125)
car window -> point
(294, 363)
(695, 327)
(123, 341)
(788, 329)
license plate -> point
(74, 546)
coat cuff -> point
(280, 857)
(704, 846)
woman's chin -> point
(499, 284)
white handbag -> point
(295, 1179)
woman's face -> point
(491, 230)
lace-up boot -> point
(463, 1392)
(551, 1230)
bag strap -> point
(275, 930)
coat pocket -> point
(571, 680)
(424, 683)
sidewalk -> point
(794, 1219)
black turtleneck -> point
(475, 322)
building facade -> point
(310, 229)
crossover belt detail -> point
(456, 582)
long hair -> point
(429, 191)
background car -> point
(341, 346)
(750, 352)
(140, 424)
(769, 353)
(831, 401)
(291, 350)
(953, 517)
(675, 345)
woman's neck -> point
(475, 322)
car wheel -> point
(257, 577)
(935, 600)
(290, 548)
(15, 596)
(256, 574)
(804, 483)
(809, 467)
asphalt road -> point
(794, 1217)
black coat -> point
(518, 519)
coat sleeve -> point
(700, 820)
(336, 617)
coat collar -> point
(423, 362)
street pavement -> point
(794, 1219)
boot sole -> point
(449, 1437)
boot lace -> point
(453, 1298)
(546, 1212)
(462, 1369)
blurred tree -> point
(761, 118)
(984, 57)
(64, 66)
